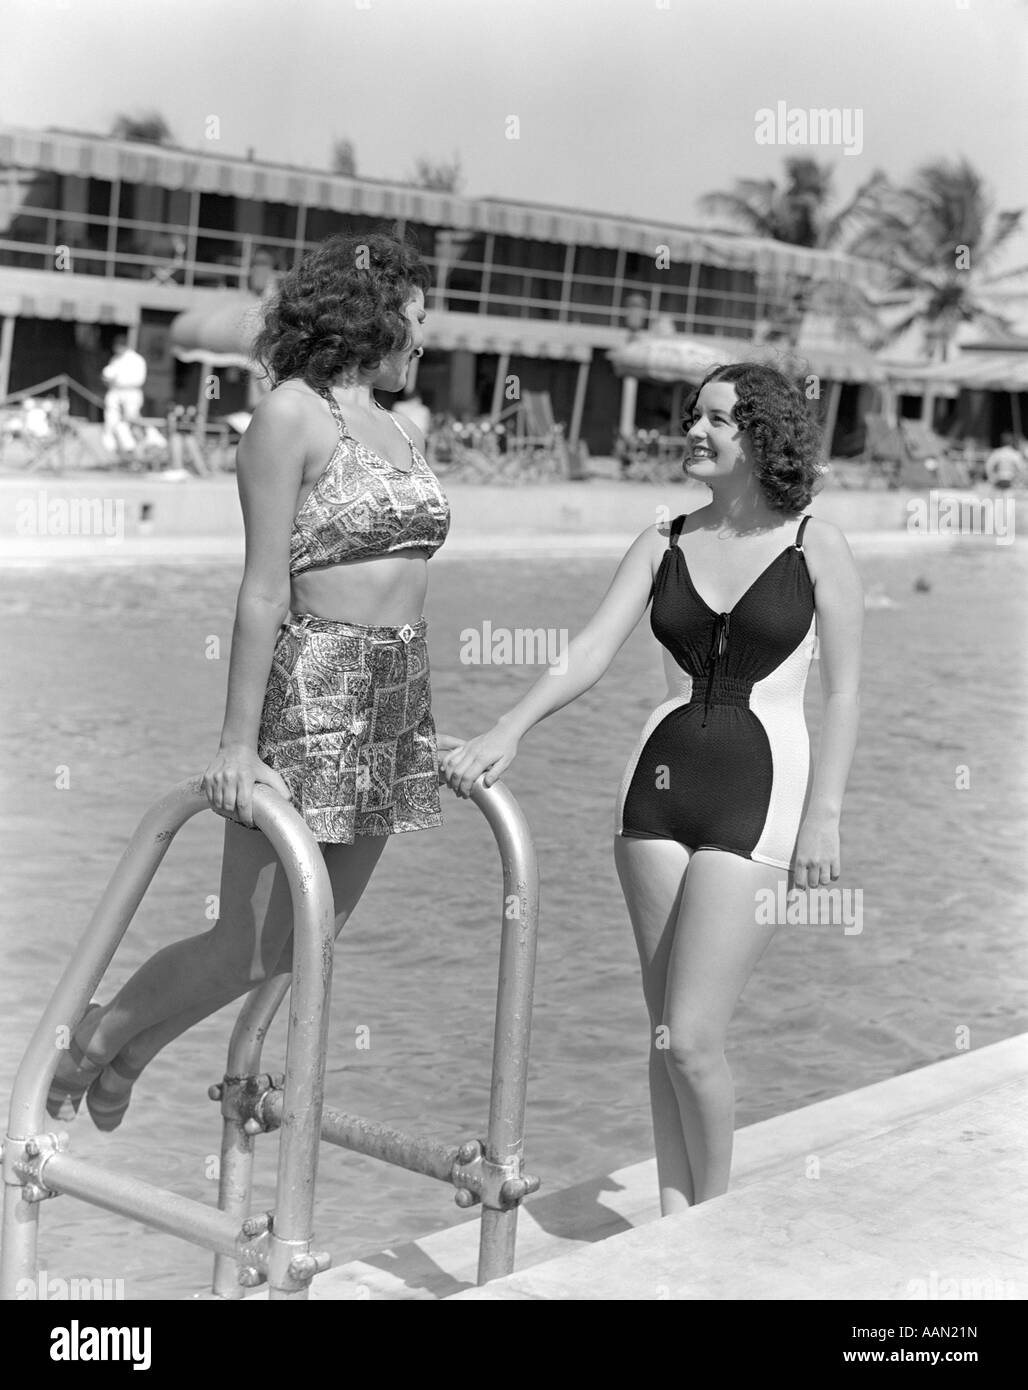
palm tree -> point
(150, 127)
(344, 158)
(799, 212)
(441, 178)
(939, 240)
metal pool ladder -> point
(277, 1247)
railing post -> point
(235, 1175)
(289, 1258)
(512, 1034)
(83, 973)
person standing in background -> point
(1005, 466)
(125, 377)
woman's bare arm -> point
(589, 654)
(839, 604)
(269, 470)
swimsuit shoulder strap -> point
(395, 421)
(392, 416)
(676, 528)
(337, 414)
(799, 533)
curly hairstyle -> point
(785, 437)
(342, 306)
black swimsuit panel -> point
(723, 762)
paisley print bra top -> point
(362, 506)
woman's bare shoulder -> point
(290, 400)
(829, 558)
(654, 540)
(283, 432)
(825, 538)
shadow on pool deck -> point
(906, 1189)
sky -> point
(632, 107)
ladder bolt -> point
(215, 1092)
(253, 1127)
(250, 1277)
(256, 1225)
(303, 1267)
(32, 1148)
(464, 1197)
(467, 1153)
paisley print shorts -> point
(347, 722)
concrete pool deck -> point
(912, 1188)
(114, 518)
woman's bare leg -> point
(653, 875)
(717, 943)
(251, 941)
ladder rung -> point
(431, 1157)
(165, 1211)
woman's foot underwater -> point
(71, 1082)
(109, 1096)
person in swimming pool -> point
(717, 803)
(329, 611)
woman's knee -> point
(693, 1048)
(231, 961)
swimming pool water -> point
(109, 674)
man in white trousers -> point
(125, 376)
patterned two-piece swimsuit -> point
(347, 717)
(723, 763)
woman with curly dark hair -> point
(328, 683)
(717, 806)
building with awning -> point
(683, 360)
(999, 368)
(97, 233)
(975, 370)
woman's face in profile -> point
(392, 375)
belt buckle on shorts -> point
(406, 633)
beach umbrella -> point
(219, 336)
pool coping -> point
(33, 553)
(773, 1154)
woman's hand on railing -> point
(229, 782)
(466, 760)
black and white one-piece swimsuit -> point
(723, 763)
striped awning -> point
(495, 333)
(981, 371)
(684, 357)
(66, 303)
(167, 167)
(222, 335)
(677, 358)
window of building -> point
(725, 301)
(326, 222)
(593, 285)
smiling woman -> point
(716, 807)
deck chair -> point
(885, 449)
(923, 444)
(535, 429)
(41, 436)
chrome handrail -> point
(35, 1163)
(275, 1248)
(491, 1173)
